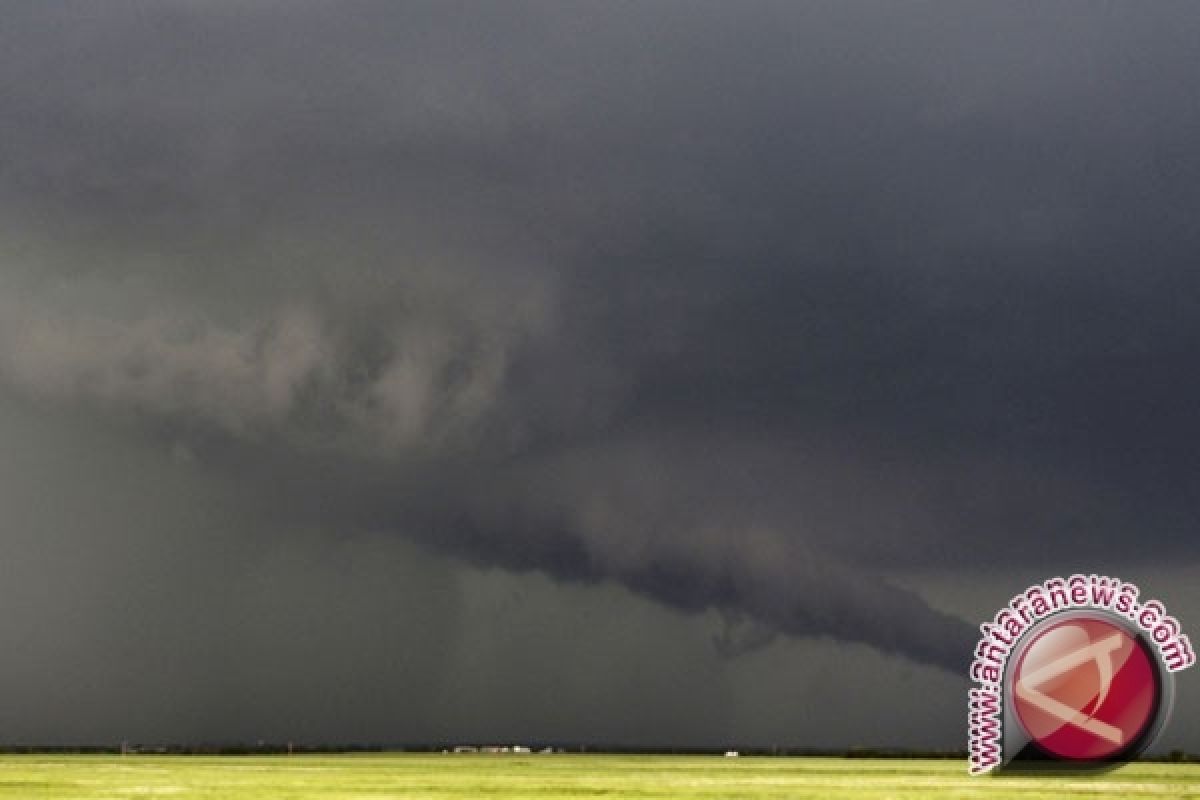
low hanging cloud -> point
(237, 379)
(296, 380)
(417, 379)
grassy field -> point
(459, 777)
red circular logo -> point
(1085, 689)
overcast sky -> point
(657, 373)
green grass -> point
(459, 777)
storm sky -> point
(676, 374)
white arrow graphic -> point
(1101, 653)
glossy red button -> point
(1084, 689)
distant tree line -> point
(277, 748)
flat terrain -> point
(459, 777)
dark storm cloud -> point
(740, 308)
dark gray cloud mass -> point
(755, 324)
